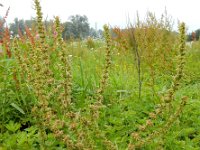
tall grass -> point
(62, 95)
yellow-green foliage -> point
(37, 72)
(179, 70)
(104, 79)
(105, 75)
(51, 81)
(156, 46)
(64, 65)
(120, 40)
(72, 105)
(90, 43)
(168, 98)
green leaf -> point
(18, 108)
(11, 126)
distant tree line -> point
(193, 36)
(77, 27)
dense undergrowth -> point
(137, 89)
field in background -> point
(138, 88)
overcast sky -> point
(114, 12)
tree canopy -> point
(77, 27)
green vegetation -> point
(76, 27)
(136, 89)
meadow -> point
(138, 88)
